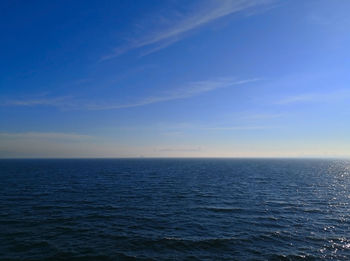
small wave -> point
(181, 244)
(26, 246)
(222, 209)
(291, 257)
(118, 256)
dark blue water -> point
(178, 209)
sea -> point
(174, 209)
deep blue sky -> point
(249, 78)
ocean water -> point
(174, 209)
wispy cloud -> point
(189, 90)
(207, 12)
(179, 149)
(316, 97)
(55, 145)
(43, 101)
(260, 116)
(239, 128)
(43, 135)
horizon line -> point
(167, 157)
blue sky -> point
(176, 78)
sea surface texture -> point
(174, 209)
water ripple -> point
(199, 209)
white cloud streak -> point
(316, 97)
(58, 145)
(208, 11)
(189, 90)
(240, 128)
(179, 149)
(192, 89)
(261, 116)
(55, 102)
(43, 135)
